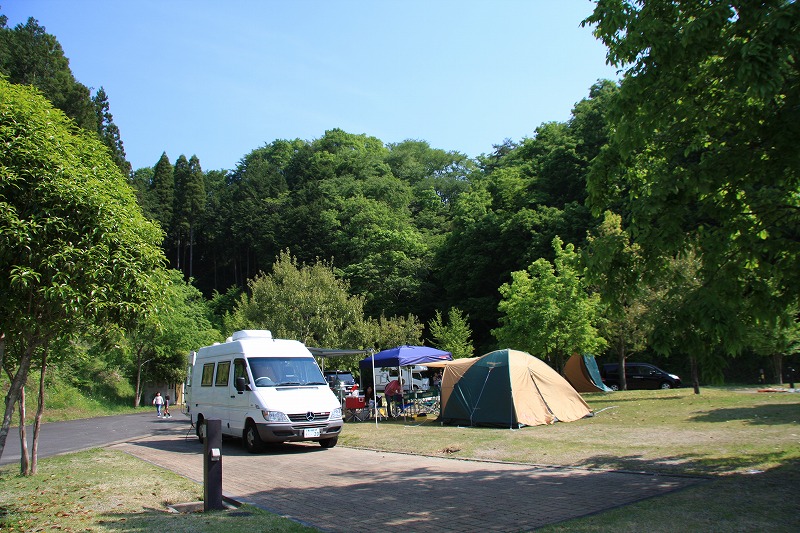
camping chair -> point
(355, 409)
(408, 408)
(430, 403)
(381, 411)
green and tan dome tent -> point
(507, 388)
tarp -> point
(334, 352)
(507, 388)
(404, 356)
(582, 373)
(323, 353)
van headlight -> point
(274, 416)
(336, 413)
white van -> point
(263, 390)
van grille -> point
(321, 426)
(303, 417)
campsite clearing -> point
(748, 441)
(720, 431)
(756, 493)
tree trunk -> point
(623, 380)
(191, 249)
(695, 374)
(24, 461)
(777, 368)
(12, 397)
(138, 376)
(37, 422)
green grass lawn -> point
(103, 490)
(747, 444)
(720, 431)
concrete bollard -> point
(212, 466)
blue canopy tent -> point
(401, 356)
(404, 356)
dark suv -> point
(339, 379)
(639, 376)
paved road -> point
(64, 437)
(342, 489)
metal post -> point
(212, 466)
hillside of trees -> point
(660, 222)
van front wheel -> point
(252, 440)
(329, 443)
(200, 429)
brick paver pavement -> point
(342, 489)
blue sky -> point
(220, 79)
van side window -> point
(223, 370)
(239, 370)
(208, 375)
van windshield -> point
(285, 371)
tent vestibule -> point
(582, 373)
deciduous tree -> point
(547, 311)
(615, 268)
(452, 335)
(74, 244)
(304, 302)
(704, 156)
(159, 342)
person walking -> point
(158, 401)
(166, 407)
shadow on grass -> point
(772, 414)
(684, 463)
(612, 398)
(232, 521)
(763, 501)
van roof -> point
(254, 346)
(250, 334)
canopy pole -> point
(374, 386)
(402, 389)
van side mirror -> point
(241, 384)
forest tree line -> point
(662, 220)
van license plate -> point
(310, 433)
